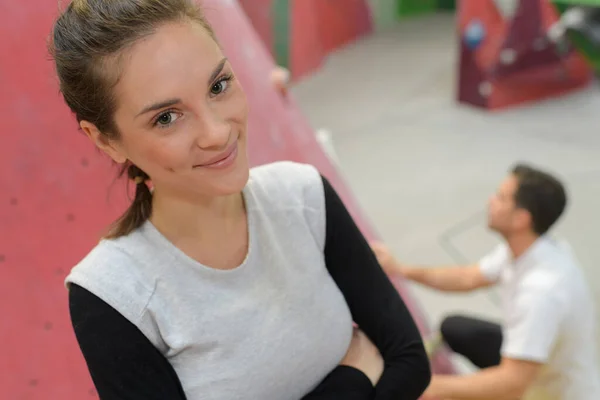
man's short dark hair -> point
(541, 194)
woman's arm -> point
(122, 362)
(125, 365)
(343, 383)
(375, 304)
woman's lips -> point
(223, 160)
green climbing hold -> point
(579, 36)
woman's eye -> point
(167, 118)
(219, 87)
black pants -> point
(477, 340)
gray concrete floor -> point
(422, 166)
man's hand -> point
(461, 278)
(387, 261)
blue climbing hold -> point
(474, 34)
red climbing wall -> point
(506, 60)
(53, 204)
(321, 27)
(260, 13)
(307, 29)
(58, 193)
(341, 22)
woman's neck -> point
(199, 217)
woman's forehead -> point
(174, 59)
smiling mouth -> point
(222, 160)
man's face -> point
(504, 216)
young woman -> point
(221, 282)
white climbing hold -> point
(485, 89)
(508, 56)
(325, 140)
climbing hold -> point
(485, 89)
(508, 56)
(507, 8)
(474, 34)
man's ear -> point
(523, 219)
(108, 146)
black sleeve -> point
(376, 306)
(123, 363)
(343, 383)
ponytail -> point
(140, 209)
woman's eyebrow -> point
(172, 102)
(217, 70)
(159, 105)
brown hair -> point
(541, 194)
(87, 42)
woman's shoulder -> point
(287, 189)
(285, 171)
(111, 272)
(288, 181)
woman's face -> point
(181, 114)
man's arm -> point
(527, 343)
(449, 279)
(508, 381)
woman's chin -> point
(231, 183)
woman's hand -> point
(364, 356)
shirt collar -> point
(536, 252)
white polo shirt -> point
(548, 317)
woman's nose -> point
(214, 131)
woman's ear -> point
(108, 146)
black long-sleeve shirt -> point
(124, 364)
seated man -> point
(545, 348)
